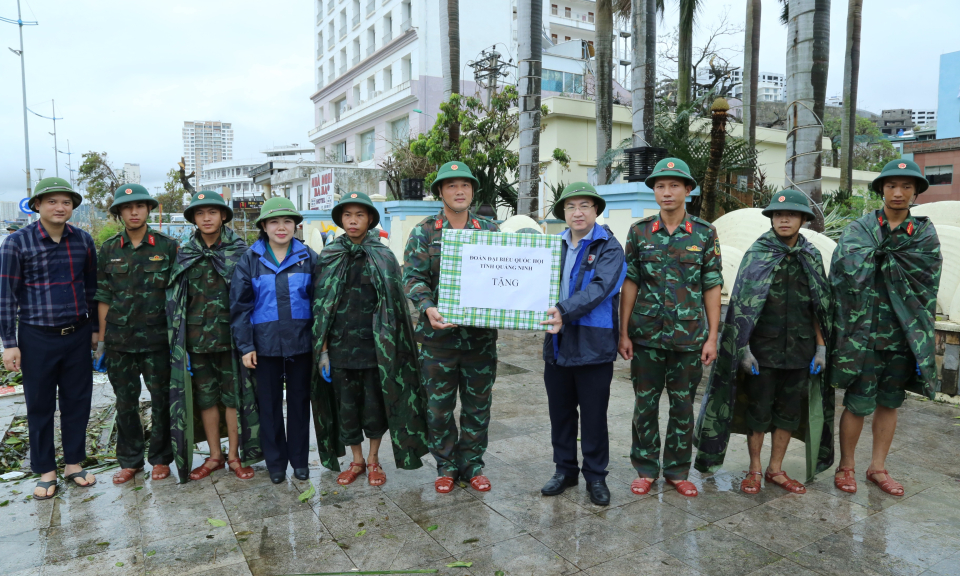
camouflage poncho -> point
(404, 396)
(724, 402)
(184, 420)
(910, 266)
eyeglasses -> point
(581, 207)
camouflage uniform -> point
(132, 280)
(353, 358)
(668, 328)
(783, 342)
(208, 336)
(460, 358)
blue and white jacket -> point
(591, 310)
(270, 306)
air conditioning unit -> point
(377, 93)
(347, 158)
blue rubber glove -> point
(188, 365)
(324, 365)
(918, 369)
(819, 360)
(749, 362)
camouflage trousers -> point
(471, 373)
(651, 370)
(775, 397)
(360, 404)
(124, 370)
(882, 382)
(213, 379)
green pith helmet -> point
(673, 167)
(207, 198)
(131, 193)
(356, 198)
(278, 206)
(455, 169)
(901, 167)
(789, 200)
(51, 185)
(577, 190)
(13, 227)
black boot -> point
(277, 477)
(599, 493)
(301, 473)
(556, 485)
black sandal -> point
(81, 475)
(46, 484)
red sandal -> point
(846, 483)
(443, 484)
(641, 486)
(125, 475)
(348, 476)
(683, 487)
(202, 471)
(241, 472)
(751, 484)
(375, 475)
(789, 484)
(480, 483)
(160, 471)
(887, 485)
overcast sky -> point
(125, 75)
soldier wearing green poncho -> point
(772, 352)
(885, 275)
(367, 352)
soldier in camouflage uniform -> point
(453, 358)
(133, 269)
(673, 263)
(885, 275)
(368, 351)
(13, 228)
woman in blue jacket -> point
(581, 344)
(271, 320)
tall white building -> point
(377, 61)
(130, 173)
(206, 142)
(923, 117)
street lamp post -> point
(23, 82)
(69, 158)
(56, 158)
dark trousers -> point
(56, 366)
(271, 372)
(586, 387)
(775, 397)
(359, 395)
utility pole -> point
(23, 83)
(56, 158)
(488, 68)
(69, 159)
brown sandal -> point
(443, 484)
(375, 475)
(480, 483)
(846, 483)
(125, 475)
(641, 486)
(886, 485)
(348, 476)
(202, 471)
(789, 484)
(160, 471)
(751, 484)
(241, 472)
(683, 487)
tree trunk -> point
(644, 74)
(751, 61)
(529, 30)
(808, 51)
(450, 55)
(851, 74)
(603, 81)
(718, 139)
(688, 10)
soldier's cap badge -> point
(128, 191)
(670, 164)
(200, 197)
(454, 167)
(901, 165)
(353, 195)
(156, 258)
(782, 199)
(694, 249)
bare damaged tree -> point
(716, 53)
(184, 178)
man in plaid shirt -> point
(48, 277)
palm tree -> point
(529, 34)
(450, 54)
(751, 59)
(603, 82)
(644, 73)
(808, 59)
(688, 16)
(851, 73)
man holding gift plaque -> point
(452, 358)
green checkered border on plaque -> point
(448, 292)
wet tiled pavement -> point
(162, 528)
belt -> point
(63, 330)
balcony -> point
(319, 18)
(331, 44)
(371, 6)
(405, 25)
(396, 94)
(343, 68)
(356, 20)
(319, 51)
(330, 8)
(355, 60)
(343, 33)
(331, 78)
(370, 50)
(387, 36)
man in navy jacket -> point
(581, 344)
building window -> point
(939, 174)
(371, 87)
(406, 69)
(553, 9)
(566, 11)
(387, 78)
(553, 37)
(557, 81)
(367, 142)
(566, 38)
(590, 17)
(299, 196)
(356, 95)
(340, 151)
(400, 130)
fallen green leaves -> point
(459, 564)
(307, 494)
(216, 523)
(432, 528)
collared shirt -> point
(45, 283)
(672, 272)
(888, 334)
(570, 260)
